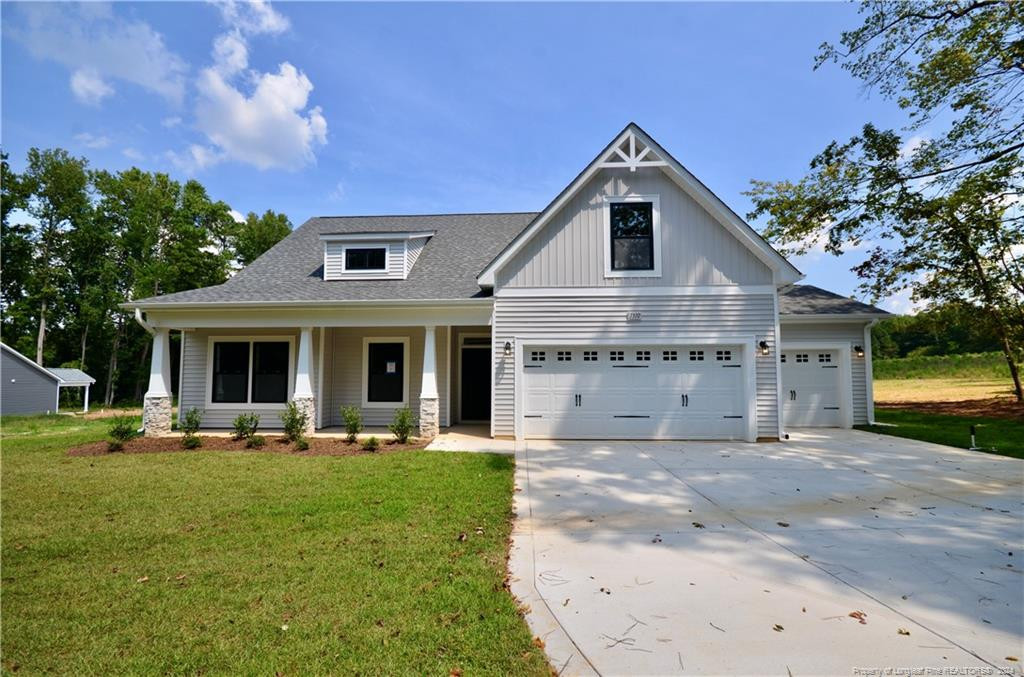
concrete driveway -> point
(812, 556)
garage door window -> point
(824, 358)
(615, 355)
(590, 356)
(669, 356)
(564, 356)
(801, 357)
(696, 356)
(538, 356)
(643, 356)
(723, 355)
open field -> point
(941, 389)
(256, 563)
(982, 366)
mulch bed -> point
(994, 407)
(318, 446)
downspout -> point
(869, 372)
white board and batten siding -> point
(831, 332)
(343, 368)
(581, 320)
(695, 248)
(195, 382)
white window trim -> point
(655, 201)
(249, 404)
(366, 271)
(406, 367)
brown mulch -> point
(318, 446)
(993, 407)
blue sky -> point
(323, 108)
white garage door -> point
(633, 392)
(810, 388)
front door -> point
(475, 384)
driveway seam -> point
(767, 537)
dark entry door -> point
(475, 384)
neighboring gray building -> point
(27, 388)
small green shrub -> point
(246, 425)
(191, 442)
(255, 442)
(122, 429)
(301, 443)
(402, 425)
(353, 420)
(191, 421)
(371, 444)
(294, 420)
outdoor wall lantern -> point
(859, 350)
(764, 347)
(508, 348)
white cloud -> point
(132, 154)
(92, 140)
(253, 17)
(338, 193)
(100, 47)
(88, 87)
(911, 145)
(195, 158)
(171, 122)
(237, 216)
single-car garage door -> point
(634, 392)
(810, 388)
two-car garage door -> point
(634, 392)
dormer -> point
(372, 256)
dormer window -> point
(632, 236)
(370, 259)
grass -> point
(975, 366)
(1006, 435)
(254, 563)
(941, 389)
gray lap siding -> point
(583, 319)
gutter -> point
(138, 318)
(272, 305)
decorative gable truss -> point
(372, 256)
(632, 152)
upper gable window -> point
(370, 259)
(632, 236)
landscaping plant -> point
(294, 420)
(301, 443)
(371, 444)
(255, 442)
(353, 420)
(122, 429)
(246, 425)
(402, 425)
(190, 426)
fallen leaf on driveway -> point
(860, 616)
(1012, 658)
(698, 525)
(778, 628)
(903, 631)
(783, 524)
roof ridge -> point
(401, 216)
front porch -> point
(441, 373)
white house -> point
(636, 305)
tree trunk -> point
(81, 360)
(108, 396)
(1014, 372)
(41, 338)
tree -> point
(938, 211)
(15, 257)
(257, 234)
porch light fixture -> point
(764, 347)
(508, 348)
(859, 350)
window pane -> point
(230, 372)
(365, 258)
(632, 219)
(632, 254)
(386, 372)
(270, 371)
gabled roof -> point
(808, 300)
(292, 270)
(42, 370)
(621, 153)
(71, 377)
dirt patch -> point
(318, 446)
(107, 413)
(993, 407)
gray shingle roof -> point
(805, 299)
(292, 270)
(67, 375)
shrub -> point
(301, 443)
(122, 429)
(402, 425)
(191, 442)
(353, 422)
(294, 420)
(190, 423)
(246, 425)
(255, 442)
(371, 444)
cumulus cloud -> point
(132, 154)
(101, 48)
(92, 140)
(195, 158)
(88, 87)
(253, 17)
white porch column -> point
(303, 397)
(156, 408)
(429, 419)
(85, 400)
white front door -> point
(634, 392)
(810, 389)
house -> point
(27, 388)
(636, 305)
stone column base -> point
(156, 415)
(307, 405)
(429, 417)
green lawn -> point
(257, 563)
(1006, 435)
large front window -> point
(632, 235)
(385, 375)
(250, 372)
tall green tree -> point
(257, 234)
(15, 257)
(936, 204)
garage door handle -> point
(792, 394)
(684, 400)
(831, 408)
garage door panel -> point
(810, 388)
